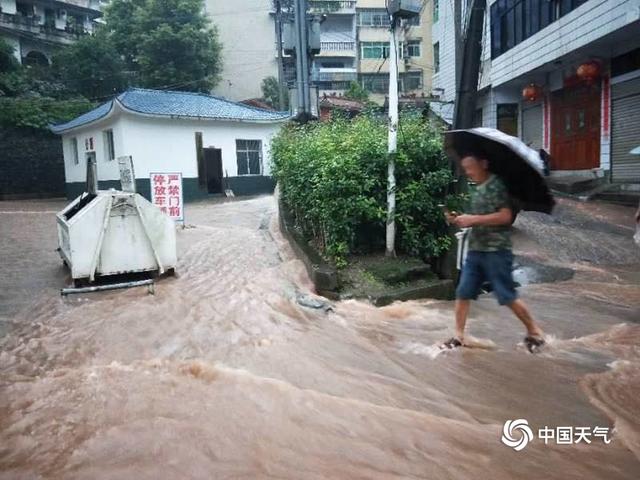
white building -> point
(247, 31)
(214, 143)
(581, 60)
(35, 28)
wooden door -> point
(575, 128)
(213, 168)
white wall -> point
(8, 6)
(585, 24)
(246, 30)
(164, 145)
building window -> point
(74, 151)
(374, 50)
(413, 21)
(414, 48)
(411, 81)
(249, 155)
(109, 148)
(374, 17)
(436, 57)
(477, 118)
(508, 118)
(375, 82)
(513, 21)
(436, 10)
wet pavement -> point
(234, 369)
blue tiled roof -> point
(176, 104)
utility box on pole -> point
(405, 8)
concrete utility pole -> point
(281, 80)
(471, 51)
(300, 50)
(302, 60)
(393, 141)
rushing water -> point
(222, 374)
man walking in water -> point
(489, 257)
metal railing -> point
(331, 6)
(335, 75)
(338, 46)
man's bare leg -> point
(522, 312)
(462, 311)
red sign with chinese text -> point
(166, 194)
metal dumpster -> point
(109, 232)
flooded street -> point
(223, 374)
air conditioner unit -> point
(405, 8)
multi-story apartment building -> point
(415, 58)
(35, 28)
(335, 67)
(564, 75)
(354, 46)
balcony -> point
(32, 25)
(335, 75)
(333, 6)
(337, 49)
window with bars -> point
(375, 82)
(374, 17)
(411, 81)
(414, 48)
(249, 156)
(374, 50)
(109, 147)
(74, 151)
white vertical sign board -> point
(166, 194)
(127, 175)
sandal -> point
(534, 343)
(453, 342)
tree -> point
(168, 43)
(357, 92)
(8, 61)
(92, 67)
(271, 92)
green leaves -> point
(167, 43)
(38, 112)
(333, 177)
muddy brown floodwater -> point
(222, 374)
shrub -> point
(333, 178)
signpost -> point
(127, 175)
(166, 194)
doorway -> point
(575, 128)
(213, 169)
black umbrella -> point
(519, 166)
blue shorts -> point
(493, 267)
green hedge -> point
(333, 178)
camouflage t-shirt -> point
(486, 198)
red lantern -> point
(531, 92)
(589, 72)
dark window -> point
(508, 118)
(109, 147)
(375, 83)
(513, 21)
(411, 81)
(626, 63)
(436, 57)
(249, 155)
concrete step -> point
(573, 184)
